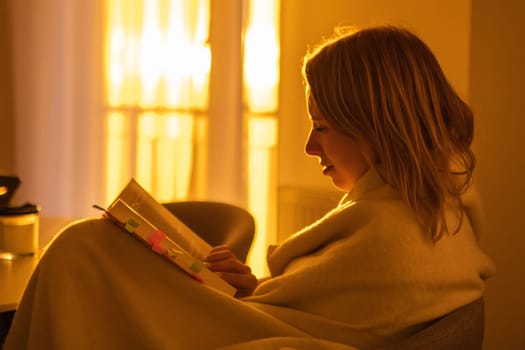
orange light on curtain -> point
(157, 80)
(261, 83)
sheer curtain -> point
(57, 48)
(62, 114)
(57, 57)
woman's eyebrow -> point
(316, 117)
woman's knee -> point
(83, 233)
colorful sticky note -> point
(131, 225)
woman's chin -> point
(338, 185)
(341, 185)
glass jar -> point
(19, 234)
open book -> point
(139, 214)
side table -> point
(15, 274)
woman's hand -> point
(222, 261)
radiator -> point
(299, 207)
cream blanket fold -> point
(358, 278)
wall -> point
(7, 162)
(498, 99)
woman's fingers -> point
(245, 283)
(218, 256)
(228, 265)
(222, 252)
(221, 248)
(222, 261)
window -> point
(158, 63)
(157, 77)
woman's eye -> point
(319, 128)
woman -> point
(397, 252)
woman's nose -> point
(312, 146)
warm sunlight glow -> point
(262, 143)
(187, 76)
(158, 136)
(261, 57)
(118, 144)
(151, 63)
(261, 82)
(158, 66)
(122, 48)
(261, 68)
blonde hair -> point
(384, 88)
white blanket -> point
(359, 277)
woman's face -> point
(339, 156)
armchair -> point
(218, 223)
(461, 329)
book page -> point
(142, 202)
(138, 226)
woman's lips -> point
(327, 169)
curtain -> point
(61, 123)
(57, 58)
(57, 52)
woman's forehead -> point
(313, 109)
